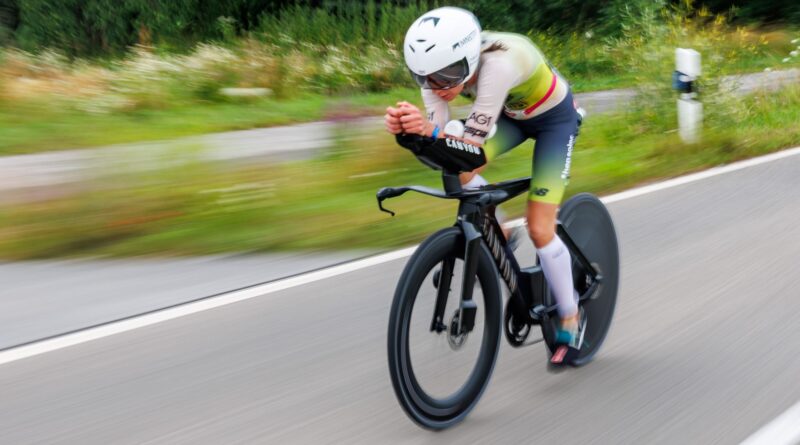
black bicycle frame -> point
(477, 222)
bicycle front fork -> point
(467, 307)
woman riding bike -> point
(513, 87)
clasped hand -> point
(407, 118)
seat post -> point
(451, 182)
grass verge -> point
(37, 127)
(49, 103)
(199, 208)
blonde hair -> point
(495, 46)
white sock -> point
(557, 267)
(474, 183)
(500, 215)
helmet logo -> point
(426, 19)
(465, 40)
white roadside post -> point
(690, 110)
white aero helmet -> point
(442, 48)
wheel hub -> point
(456, 338)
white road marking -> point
(82, 336)
(701, 175)
(74, 338)
(784, 430)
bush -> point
(646, 48)
(92, 27)
(340, 22)
(145, 79)
(102, 27)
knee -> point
(541, 233)
(474, 182)
(467, 177)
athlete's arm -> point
(497, 77)
(444, 152)
(436, 108)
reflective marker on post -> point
(690, 111)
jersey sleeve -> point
(497, 76)
(436, 108)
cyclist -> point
(513, 87)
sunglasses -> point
(448, 77)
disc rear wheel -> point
(587, 221)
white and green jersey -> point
(516, 80)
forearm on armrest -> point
(450, 153)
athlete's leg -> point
(551, 165)
(507, 137)
(554, 257)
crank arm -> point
(542, 312)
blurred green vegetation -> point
(192, 207)
(51, 101)
(108, 27)
(171, 86)
(36, 127)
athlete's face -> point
(450, 93)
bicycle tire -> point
(422, 408)
(589, 224)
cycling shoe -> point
(569, 342)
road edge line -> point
(34, 348)
(782, 430)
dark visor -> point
(448, 77)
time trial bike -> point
(453, 279)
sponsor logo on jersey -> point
(475, 132)
(568, 163)
(540, 191)
(480, 118)
(516, 102)
(463, 146)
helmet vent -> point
(412, 49)
(428, 19)
(430, 48)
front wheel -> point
(587, 221)
(437, 372)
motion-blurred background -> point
(127, 127)
(156, 152)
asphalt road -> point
(45, 298)
(705, 348)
